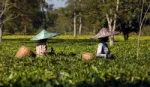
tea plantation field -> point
(66, 68)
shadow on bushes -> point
(114, 83)
(97, 83)
(66, 54)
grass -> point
(117, 37)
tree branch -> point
(115, 16)
(10, 17)
(141, 24)
(5, 7)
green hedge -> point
(66, 68)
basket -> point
(87, 56)
(24, 51)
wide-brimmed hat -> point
(44, 34)
(104, 32)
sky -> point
(57, 3)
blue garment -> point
(102, 50)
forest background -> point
(78, 17)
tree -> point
(111, 16)
(128, 17)
(75, 15)
(4, 8)
(92, 15)
(64, 20)
(43, 6)
(142, 18)
(114, 14)
(49, 17)
(80, 18)
(75, 18)
(29, 15)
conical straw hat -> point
(104, 32)
(44, 34)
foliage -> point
(146, 30)
(64, 22)
(93, 13)
(24, 11)
(29, 16)
(67, 69)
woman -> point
(102, 35)
(41, 47)
(103, 50)
(41, 38)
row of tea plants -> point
(66, 68)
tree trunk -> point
(1, 27)
(75, 28)
(1, 33)
(4, 8)
(25, 29)
(140, 27)
(103, 1)
(111, 38)
(94, 31)
(111, 23)
(80, 27)
(114, 24)
(111, 42)
(126, 36)
(75, 17)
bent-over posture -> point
(103, 50)
(41, 47)
(102, 35)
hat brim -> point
(45, 37)
(44, 34)
(107, 35)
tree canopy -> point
(31, 17)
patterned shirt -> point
(41, 49)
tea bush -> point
(66, 68)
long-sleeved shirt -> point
(102, 50)
(41, 49)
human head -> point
(42, 41)
(104, 39)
